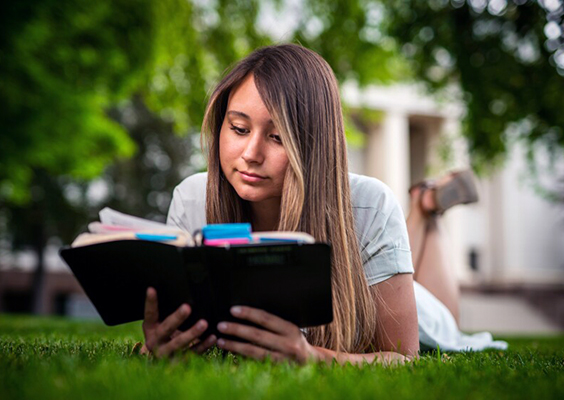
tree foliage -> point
(348, 34)
(116, 89)
(67, 63)
(63, 63)
(77, 79)
(507, 57)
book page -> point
(98, 227)
(84, 239)
(113, 217)
(115, 226)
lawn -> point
(54, 358)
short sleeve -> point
(176, 212)
(187, 210)
(381, 230)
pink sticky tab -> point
(223, 242)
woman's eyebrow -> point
(243, 115)
(239, 114)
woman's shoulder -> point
(192, 187)
(188, 207)
(369, 192)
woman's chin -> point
(253, 195)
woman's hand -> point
(281, 340)
(163, 339)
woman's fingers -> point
(254, 335)
(175, 334)
(172, 322)
(164, 338)
(203, 346)
(151, 307)
(250, 350)
(265, 319)
(184, 339)
(281, 339)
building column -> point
(395, 146)
(461, 222)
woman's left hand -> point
(282, 340)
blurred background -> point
(101, 105)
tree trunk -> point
(38, 284)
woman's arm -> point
(398, 336)
(396, 311)
(383, 357)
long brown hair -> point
(301, 94)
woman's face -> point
(251, 154)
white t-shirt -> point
(379, 222)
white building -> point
(516, 236)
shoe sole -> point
(461, 189)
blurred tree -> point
(508, 58)
(66, 63)
(111, 89)
(77, 81)
(348, 34)
(62, 63)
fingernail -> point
(236, 310)
(221, 342)
(212, 338)
(222, 326)
(201, 324)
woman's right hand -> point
(163, 339)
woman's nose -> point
(253, 151)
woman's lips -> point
(250, 177)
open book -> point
(115, 225)
(285, 273)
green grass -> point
(55, 358)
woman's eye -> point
(276, 138)
(238, 130)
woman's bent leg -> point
(430, 256)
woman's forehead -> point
(245, 102)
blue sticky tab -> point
(226, 231)
(155, 238)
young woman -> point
(277, 159)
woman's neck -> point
(265, 214)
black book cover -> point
(292, 281)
